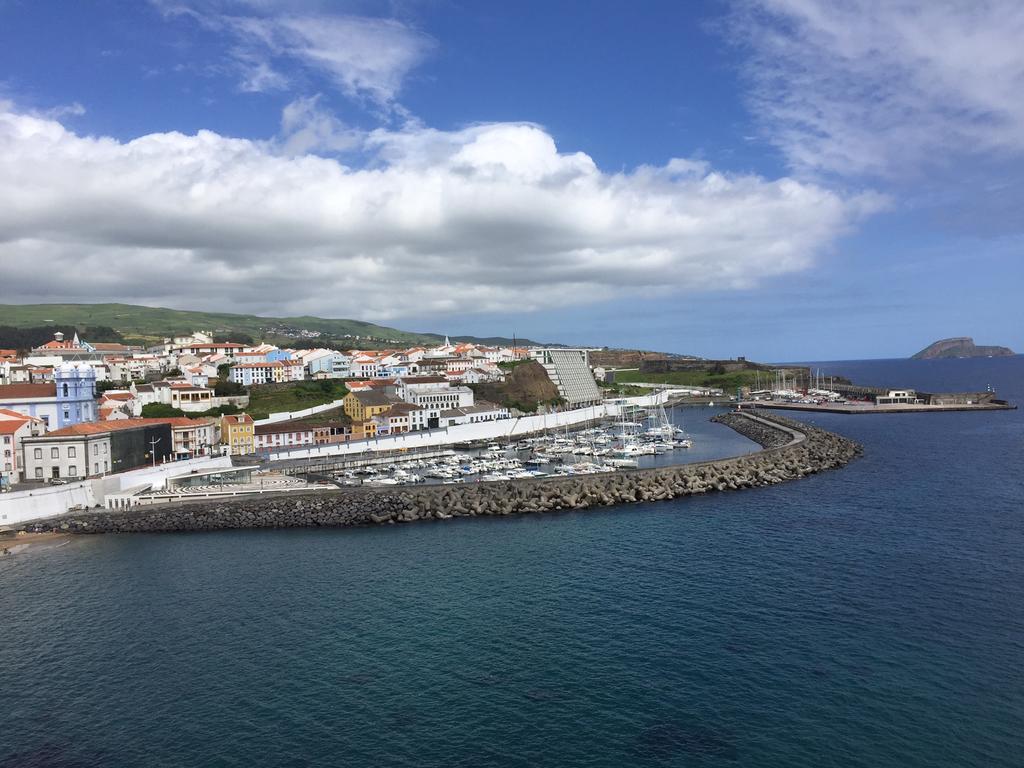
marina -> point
(640, 438)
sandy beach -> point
(24, 542)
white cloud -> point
(885, 87)
(366, 58)
(305, 128)
(488, 218)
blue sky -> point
(781, 179)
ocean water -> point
(871, 616)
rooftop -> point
(26, 391)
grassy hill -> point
(725, 381)
(136, 321)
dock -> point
(863, 407)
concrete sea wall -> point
(792, 450)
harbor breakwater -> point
(791, 450)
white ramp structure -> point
(569, 369)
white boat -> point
(621, 462)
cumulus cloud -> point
(491, 217)
(885, 87)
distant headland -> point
(960, 346)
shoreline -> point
(790, 450)
(24, 541)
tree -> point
(160, 411)
(225, 388)
(234, 337)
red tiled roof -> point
(102, 427)
(275, 364)
(22, 391)
(10, 426)
(283, 426)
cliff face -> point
(961, 346)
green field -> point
(296, 397)
(154, 323)
(623, 390)
(724, 381)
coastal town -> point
(87, 424)
(69, 391)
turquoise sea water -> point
(872, 616)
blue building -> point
(76, 393)
(70, 399)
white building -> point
(277, 372)
(482, 411)
(14, 427)
(569, 370)
(283, 434)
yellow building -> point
(364, 405)
(238, 433)
(364, 430)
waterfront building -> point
(283, 434)
(400, 418)
(363, 405)
(473, 414)
(441, 397)
(569, 370)
(900, 397)
(238, 434)
(82, 451)
(193, 437)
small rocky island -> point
(960, 346)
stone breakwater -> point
(792, 450)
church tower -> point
(76, 393)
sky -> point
(779, 179)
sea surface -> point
(871, 616)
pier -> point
(869, 407)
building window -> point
(95, 448)
(65, 390)
(39, 473)
(38, 453)
(104, 449)
(71, 451)
(55, 453)
(72, 470)
(96, 468)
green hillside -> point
(136, 321)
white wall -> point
(19, 507)
(274, 418)
(488, 430)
